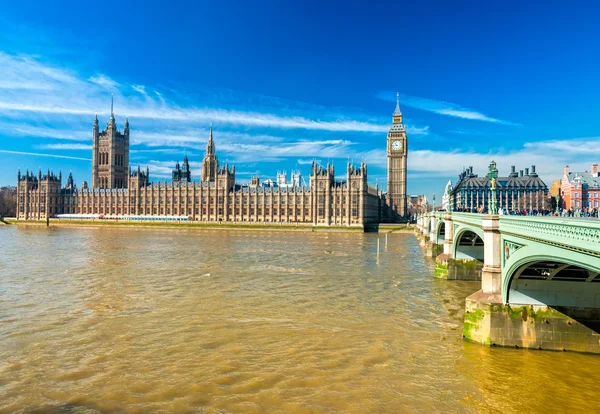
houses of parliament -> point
(118, 192)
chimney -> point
(512, 169)
(566, 170)
(595, 170)
(526, 171)
(533, 169)
(521, 173)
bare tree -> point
(8, 201)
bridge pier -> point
(540, 277)
(542, 313)
(490, 322)
(427, 235)
(491, 273)
(449, 267)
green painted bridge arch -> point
(440, 232)
(468, 236)
(550, 261)
(540, 279)
(527, 259)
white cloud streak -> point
(34, 87)
(104, 81)
(578, 146)
(44, 155)
(442, 108)
(67, 147)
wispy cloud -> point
(274, 153)
(25, 73)
(442, 108)
(139, 89)
(549, 163)
(306, 161)
(11, 129)
(581, 146)
(39, 88)
(67, 147)
(104, 81)
(162, 151)
(44, 155)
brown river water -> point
(172, 320)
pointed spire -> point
(210, 145)
(112, 101)
(397, 111)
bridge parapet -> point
(468, 218)
(572, 234)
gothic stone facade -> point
(397, 153)
(326, 201)
(118, 191)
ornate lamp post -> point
(492, 175)
(558, 202)
(433, 209)
(493, 203)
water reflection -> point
(142, 320)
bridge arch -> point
(440, 232)
(557, 277)
(468, 244)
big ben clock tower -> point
(397, 152)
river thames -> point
(144, 320)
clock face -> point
(396, 145)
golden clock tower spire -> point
(397, 152)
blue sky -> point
(287, 82)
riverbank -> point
(300, 227)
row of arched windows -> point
(104, 182)
(104, 159)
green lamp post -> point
(492, 175)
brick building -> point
(580, 190)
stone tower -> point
(182, 173)
(397, 152)
(110, 154)
(210, 162)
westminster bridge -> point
(540, 276)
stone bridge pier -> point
(540, 277)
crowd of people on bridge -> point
(587, 212)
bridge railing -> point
(468, 218)
(574, 233)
